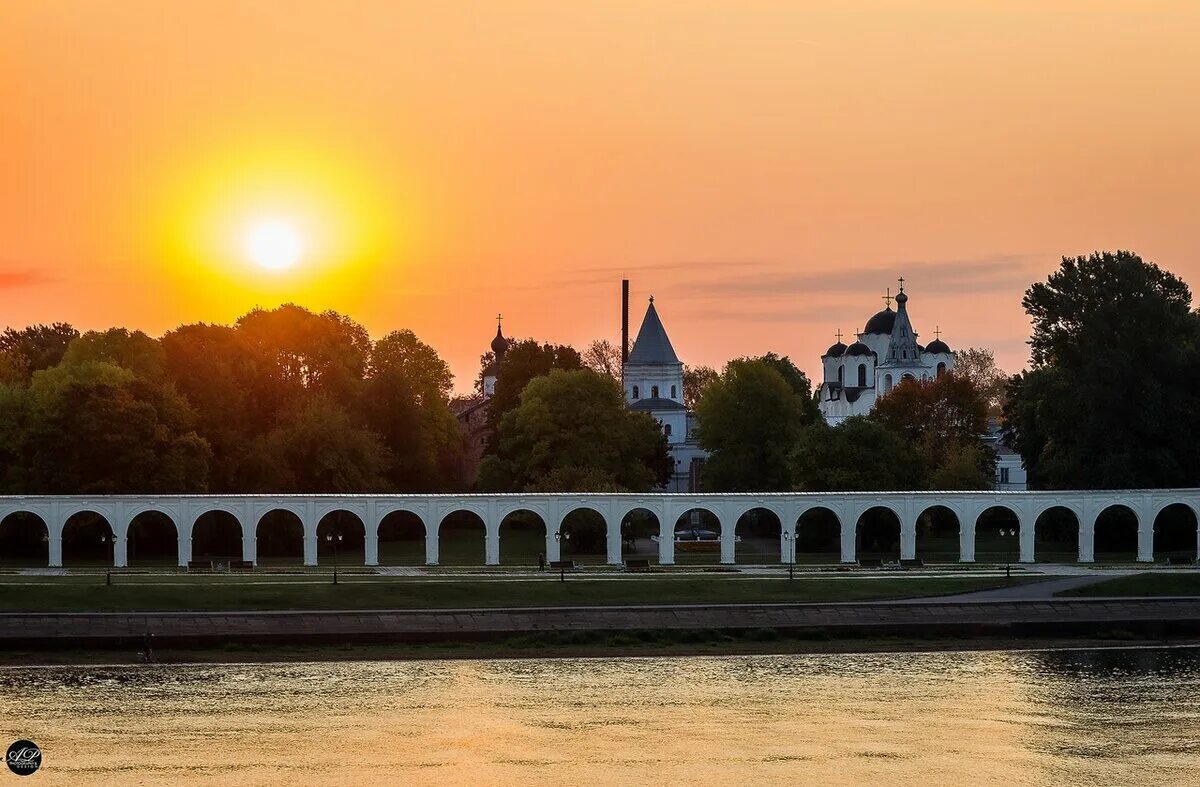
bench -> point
(870, 562)
(560, 565)
(637, 564)
(199, 565)
(1179, 560)
(241, 565)
(911, 562)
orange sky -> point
(764, 169)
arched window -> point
(667, 429)
(862, 375)
(841, 375)
(673, 392)
(887, 383)
(654, 392)
(635, 392)
(941, 368)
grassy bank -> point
(90, 594)
(1145, 584)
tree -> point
(749, 420)
(96, 428)
(944, 419)
(799, 382)
(320, 450)
(696, 380)
(572, 428)
(1110, 401)
(603, 357)
(132, 350)
(417, 362)
(856, 455)
(37, 347)
(978, 365)
(524, 361)
(422, 435)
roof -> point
(652, 344)
(881, 322)
(858, 348)
(835, 350)
(937, 346)
(655, 403)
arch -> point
(640, 529)
(841, 375)
(674, 394)
(584, 536)
(24, 540)
(1116, 534)
(522, 537)
(1175, 532)
(938, 531)
(87, 540)
(906, 376)
(1056, 535)
(862, 375)
(818, 536)
(941, 368)
(697, 535)
(998, 535)
(666, 430)
(462, 539)
(887, 382)
(635, 392)
(217, 536)
(401, 539)
(279, 536)
(654, 392)
(759, 534)
(351, 550)
(152, 539)
(877, 534)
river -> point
(1090, 718)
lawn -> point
(1145, 584)
(188, 593)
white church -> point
(886, 352)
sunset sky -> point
(765, 169)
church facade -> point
(883, 354)
(652, 376)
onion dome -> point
(835, 351)
(858, 348)
(937, 346)
(499, 344)
(882, 322)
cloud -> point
(947, 276)
(16, 279)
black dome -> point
(858, 348)
(882, 322)
(937, 346)
(836, 350)
(499, 344)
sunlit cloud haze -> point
(765, 169)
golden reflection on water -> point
(1062, 718)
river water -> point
(1129, 716)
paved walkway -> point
(963, 618)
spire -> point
(902, 346)
(499, 344)
(652, 344)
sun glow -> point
(273, 244)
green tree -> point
(132, 350)
(856, 455)
(978, 365)
(96, 428)
(1110, 399)
(944, 419)
(35, 348)
(749, 420)
(696, 380)
(799, 382)
(524, 361)
(422, 435)
(572, 428)
(603, 357)
(416, 362)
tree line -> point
(287, 400)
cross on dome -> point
(901, 280)
(887, 299)
(839, 335)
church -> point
(886, 352)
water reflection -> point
(1100, 717)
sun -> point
(273, 244)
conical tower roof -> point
(652, 344)
(902, 345)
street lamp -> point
(104, 539)
(791, 554)
(559, 537)
(1012, 531)
(335, 539)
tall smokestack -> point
(624, 321)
